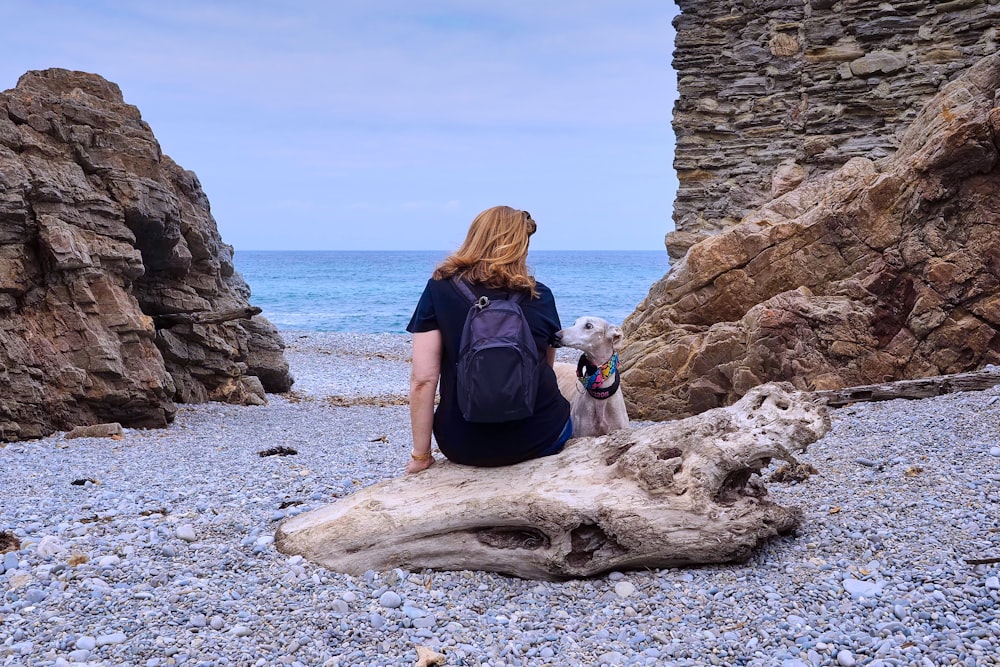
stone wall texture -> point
(118, 297)
(880, 270)
(776, 91)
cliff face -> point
(117, 295)
(878, 271)
(776, 91)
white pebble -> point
(185, 532)
(845, 658)
(623, 589)
(86, 643)
(50, 545)
(114, 638)
(240, 630)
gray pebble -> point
(111, 639)
(86, 643)
(390, 600)
(865, 574)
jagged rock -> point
(117, 295)
(763, 84)
(879, 271)
(671, 494)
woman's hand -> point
(416, 465)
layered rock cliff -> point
(117, 295)
(775, 91)
(880, 270)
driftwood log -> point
(919, 388)
(670, 494)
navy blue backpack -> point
(497, 361)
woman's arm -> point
(550, 355)
(423, 385)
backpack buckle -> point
(483, 302)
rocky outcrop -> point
(117, 295)
(772, 92)
(878, 271)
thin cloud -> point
(559, 106)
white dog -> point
(592, 388)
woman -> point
(493, 262)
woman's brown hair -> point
(495, 251)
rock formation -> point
(677, 493)
(878, 271)
(772, 92)
(117, 295)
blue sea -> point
(376, 291)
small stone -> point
(216, 623)
(240, 630)
(624, 589)
(995, 451)
(108, 640)
(86, 643)
(611, 658)
(49, 545)
(861, 588)
(414, 612)
(185, 532)
(993, 583)
(168, 550)
(845, 658)
(390, 600)
(198, 621)
(340, 607)
(108, 561)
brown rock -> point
(876, 272)
(756, 79)
(113, 430)
(117, 295)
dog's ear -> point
(616, 335)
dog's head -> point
(591, 335)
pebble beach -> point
(157, 548)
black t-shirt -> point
(442, 307)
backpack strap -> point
(466, 291)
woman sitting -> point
(493, 263)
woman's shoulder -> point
(543, 291)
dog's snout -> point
(557, 339)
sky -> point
(389, 124)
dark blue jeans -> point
(557, 446)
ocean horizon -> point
(375, 291)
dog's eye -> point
(588, 325)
